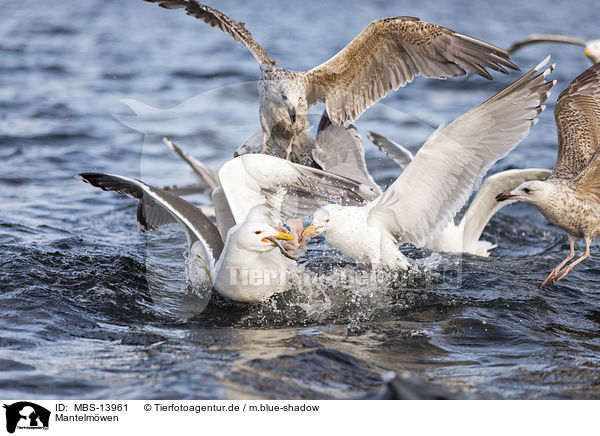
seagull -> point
(386, 55)
(338, 149)
(245, 266)
(464, 236)
(591, 50)
(422, 201)
(570, 198)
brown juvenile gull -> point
(570, 198)
(386, 55)
(591, 50)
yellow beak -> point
(281, 235)
(587, 52)
(310, 228)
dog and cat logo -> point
(26, 415)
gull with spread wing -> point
(386, 55)
(248, 265)
(464, 236)
(426, 196)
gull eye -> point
(327, 220)
(526, 190)
(258, 232)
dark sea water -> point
(92, 308)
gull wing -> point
(223, 213)
(161, 207)
(207, 174)
(484, 205)
(451, 164)
(237, 30)
(291, 190)
(587, 182)
(339, 150)
(536, 39)
(388, 54)
(399, 154)
(577, 115)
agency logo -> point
(26, 415)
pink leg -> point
(568, 269)
(556, 270)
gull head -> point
(535, 192)
(323, 219)
(282, 98)
(259, 237)
(592, 50)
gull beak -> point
(587, 52)
(310, 231)
(292, 113)
(280, 235)
(505, 196)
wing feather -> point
(577, 115)
(292, 190)
(339, 150)
(196, 225)
(451, 164)
(237, 30)
(536, 39)
(388, 54)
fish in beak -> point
(275, 241)
(280, 235)
(505, 196)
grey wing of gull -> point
(484, 205)
(388, 54)
(292, 190)
(196, 225)
(254, 144)
(339, 150)
(223, 214)
(237, 30)
(453, 161)
(536, 39)
(399, 154)
(577, 115)
(207, 174)
(184, 189)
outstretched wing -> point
(536, 39)
(160, 207)
(399, 154)
(388, 54)
(451, 164)
(290, 190)
(237, 30)
(339, 150)
(577, 115)
(207, 174)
